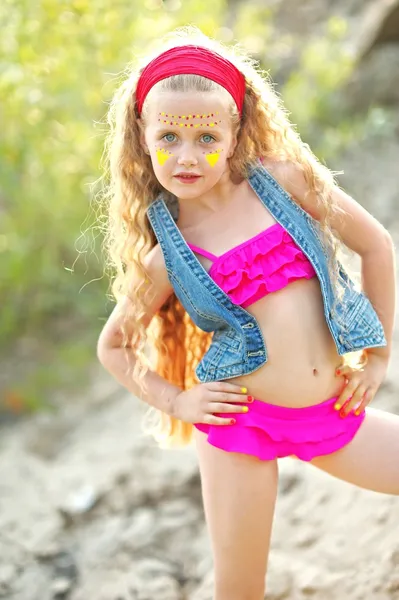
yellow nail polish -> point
(245, 409)
(244, 390)
(337, 406)
(357, 412)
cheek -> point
(213, 158)
(162, 156)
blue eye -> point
(168, 136)
(206, 138)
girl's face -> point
(189, 138)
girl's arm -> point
(363, 234)
(119, 361)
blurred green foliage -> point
(60, 61)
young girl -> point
(226, 232)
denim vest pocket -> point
(362, 323)
(229, 339)
(221, 360)
(231, 356)
(225, 351)
(212, 356)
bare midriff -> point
(302, 356)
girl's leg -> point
(239, 494)
(371, 459)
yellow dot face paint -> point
(163, 155)
(183, 120)
(189, 116)
(213, 157)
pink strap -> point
(203, 252)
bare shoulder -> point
(158, 291)
(287, 173)
(291, 177)
(353, 224)
(154, 264)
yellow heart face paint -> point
(162, 155)
(213, 157)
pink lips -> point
(187, 177)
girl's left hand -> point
(361, 384)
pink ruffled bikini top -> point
(263, 264)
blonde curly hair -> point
(172, 344)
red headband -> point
(195, 60)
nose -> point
(187, 156)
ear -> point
(233, 146)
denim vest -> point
(238, 346)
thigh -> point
(371, 459)
(239, 494)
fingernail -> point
(232, 421)
(338, 372)
(244, 390)
(357, 412)
(245, 409)
(337, 406)
(342, 414)
(250, 398)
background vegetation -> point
(60, 62)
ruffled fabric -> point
(268, 431)
(264, 264)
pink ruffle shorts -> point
(268, 431)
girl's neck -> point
(217, 200)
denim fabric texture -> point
(238, 346)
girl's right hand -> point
(199, 403)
